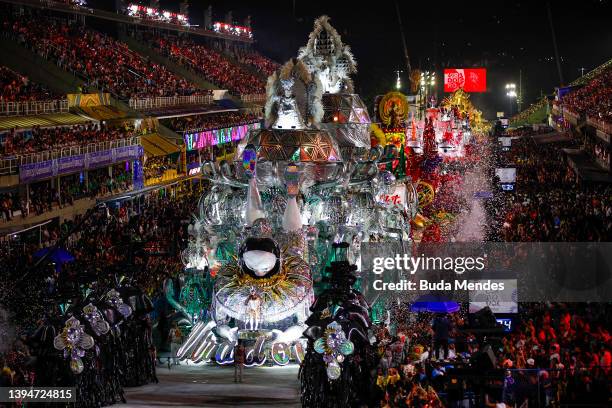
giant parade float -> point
(274, 255)
(269, 227)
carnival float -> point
(307, 180)
(274, 258)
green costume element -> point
(196, 293)
(169, 290)
(191, 300)
(226, 251)
(377, 313)
(324, 257)
(400, 170)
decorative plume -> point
(328, 58)
(269, 112)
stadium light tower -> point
(428, 83)
(511, 93)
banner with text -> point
(498, 275)
(73, 164)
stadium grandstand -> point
(100, 104)
(580, 111)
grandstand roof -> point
(156, 145)
(101, 112)
(28, 122)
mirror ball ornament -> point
(334, 346)
(73, 341)
(387, 177)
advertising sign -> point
(213, 137)
(506, 174)
(468, 79)
(97, 159)
(36, 171)
(73, 164)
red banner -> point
(468, 79)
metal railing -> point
(33, 107)
(165, 101)
(600, 124)
(253, 98)
(10, 164)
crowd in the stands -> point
(105, 63)
(43, 197)
(211, 121)
(526, 114)
(212, 65)
(555, 353)
(40, 139)
(548, 204)
(593, 99)
(528, 131)
(156, 166)
(18, 88)
(254, 59)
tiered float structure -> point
(308, 180)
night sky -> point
(502, 36)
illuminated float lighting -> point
(199, 140)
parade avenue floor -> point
(213, 386)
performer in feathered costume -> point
(293, 97)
